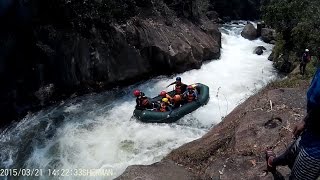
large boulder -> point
(283, 63)
(174, 49)
(268, 35)
(259, 50)
(249, 32)
(271, 56)
(167, 170)
(212, 15)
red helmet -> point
(190, 87)
(163, 93)
(177, 98)
(136, 93)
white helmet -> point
(307, 50)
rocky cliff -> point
(52, 50)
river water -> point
(97, 131)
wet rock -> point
(44, 93)
(158, 171)
(249, 32)
(270, 58)
(272, 42)
(226, 19)
(259, 50)
(283, 63)
(268, 35)
(212, 15)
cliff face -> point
(51, 50)
(234, 149)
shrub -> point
(297, 24)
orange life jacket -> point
(178, 89)
(145, 101)
(190, 97)
(163, 108)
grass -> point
(295, 79)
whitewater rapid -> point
(97, 131)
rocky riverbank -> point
(234, 149)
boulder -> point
(272, 42)
(212, 15)
(167, 170)
(283, 63)
(259, 50)
(270, 58)
(249, 32)
(268, 35)
(175, 49)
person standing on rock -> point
(304, 61)
(180, 88)
(303, 156)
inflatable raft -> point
(150, 116)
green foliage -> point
(81, 14)
(279, 46)
(297, 23)
(291, 82)
(312, 67)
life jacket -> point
(178, 89)
(176, 98)
(190, 97)
(163, 108)
(144, 101)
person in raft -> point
(165, 105)
(303, 156)
(164, 94)
(180, 88)
(142, 101)
(190, 95)
(176, 101)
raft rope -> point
(219, 103)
